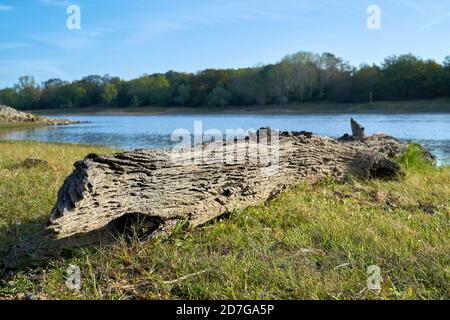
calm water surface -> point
(145, 131)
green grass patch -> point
(19, 125)
(312, 242)
(415, 159)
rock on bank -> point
(10, 116)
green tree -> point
(109, 94)
(364, 85)
(139, 90)
(402, 76)
(300, 77)
(93, 88)
(159, 91)
(184, 93)
(71, 96)
(48, 98)
(151, 90)
(219, 97)
(447, 62)
(28, 93)
(135, 102)
(446, 75)
(247, 87)
(9, 97)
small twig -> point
(305, 251)
(342, 266)
(185, 277)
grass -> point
(312, 242)
(27, 194)
(390, 107)
(19, 125)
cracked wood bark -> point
(357, 130)
(105, 192)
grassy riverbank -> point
(313, 242)
(388, 107)
(20, 125)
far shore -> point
(385, 107)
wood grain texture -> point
(106, 194)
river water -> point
(154, 131)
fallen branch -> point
(107, 195)
(185, 277)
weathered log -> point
(106, 194)
(357, 130)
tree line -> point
(301, 77)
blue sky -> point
(129, 38)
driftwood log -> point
(357, 130)
(108, 194)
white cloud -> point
(431, 11)
(43, 68)
(56, 3)
(147, 26)
(13, 45)
(436, 21)
(416, 6)
(69, 41)
(5, 8)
